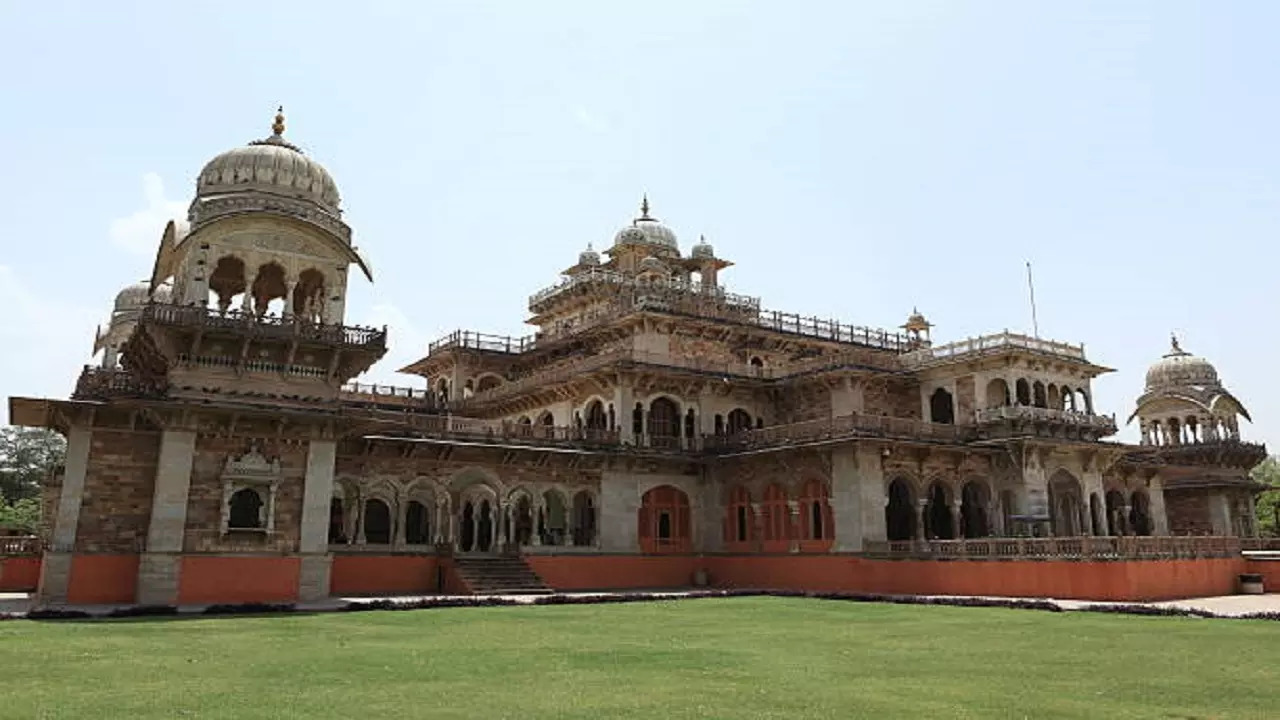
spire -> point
(1174, 347)
(277, 127)
(644, 207)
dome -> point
(1180, 368)
(589, 256)
(272, 166)
(135, 296)
(703, 250)
(646, 230)
(652, 264)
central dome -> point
(273, 166)
(646, 230)
(1180, 368)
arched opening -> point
(998, 393)
(637, 421)
(1175, 431)
(1008, 509)
(467, 527)
(738, 520)
(584, 519)
(1068, 399)
(776, 517)
(664, 520)
(417, 524)
(1023, 390)
(337, 522)
(488, 382)
(484, 527)
(442, 390)
(1066, 503)
(719, 426)
(816, 522)
(245, 510)
(900, 513)
(1097, 515)
(307, 302)
(596, 419)
(690, 425)
(523, 530)
(377, 522)
(756, 362)
(553, 518)
(1054, 397)
(664, 423)
(973, 510)
(1038, 398)
(269, 286)
(1086, 403)
(941, 407)
(937, 515)
(227, 281)
(1116, 520)
(739, 421)
(1140, 513)
(468, 388)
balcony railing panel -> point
(1063, 548)
(1026, 412)
(97, 383)
(854, 425)
(266, 326)
(19, 545)
(991, 343)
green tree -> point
(23, 514)
(1268, 501)
(27, 455)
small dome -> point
(1180, 368)
(646, 230)
(133, 296)
(589, 256)
(273, 166)
(652, 264)
(703, 250)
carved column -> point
(793, 515)
(922, 514)
(957, 520)
(290, 285)
(402, 521)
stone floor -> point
(1223, 606)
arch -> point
(900, 511)
(417, 523)
(1140, 513)
(307, 302)
(1022, 390)
(487, 382)
(664, 519)
(337, 521)
(739, 520)
(690, 424)
(1066, 505)
(377, 522)
(1038, 398)
(442, 390)
(938, 523)
(485, 526)
(757, 362)
(269, 284)
(522, 520)
(1116, 520)
(1086, 402)
(816, 521)
(998, 393)
(584, 519)
(664, 421)
(776, 517)
(1054, 397)
(1069, 399)
(942, 407)
(974, 498)
(595, 416)
(738, 421)
(227, 280)
(245, 510)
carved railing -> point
(462, 428)
(609, 277)
(845, 426)
(18, 545)
(1260, 544)
(97, 383)
(988, 344)
(471, 340)
(266, 326)
(374, 394)
(1060, 548)
(1026, 412)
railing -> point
(281, 327)
(1260, 544)
(471, 340)
(1026, 412)
(460, 428)
(364, 392)
(206, 210)
(991, 343)
(1061, 548)
(853, 425)
(19, 545)
(253, 365)
(611, 277)
(96, 383)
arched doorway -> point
(417, 523)
(664, 423)
(739, 420)
(816, 521)
(1116, 520)
(1140, 513)
(337, 522)
(776, 519)
(553, 518)
(523, 521)
(998, 393)
(941, 407)
(597, 419)
(973, 510)
(1066, 503)
(377, 522)
(484, 527)
(937, 515)
(738, 518)
(467, 527)
(665, 521)
(584, 519)
(900, 513)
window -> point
(245, 511)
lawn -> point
(713, 658)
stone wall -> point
(1188, 512)
(205, 497)
(115, 510)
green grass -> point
(717, 658)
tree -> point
(27, 456)
(1268, 501)
(23, 514)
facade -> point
(655, 429)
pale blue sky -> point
(854, 159)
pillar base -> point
(313, 578)
(158, 576)
(55, 576)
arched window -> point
(973, 510)
(998, 393)
(1038, 395)
(941, 408)
(757, 362)
(937, 516)
(596, 417)
(664, 421)
(664, 520)
(1023, 391)
(488, 382)
(739, 420)
(738, 521)
(377, 522)
(1054, 397)
(245, 511)
(816, 522)
(417, 524)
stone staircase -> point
(503, 575)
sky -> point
(853, 159)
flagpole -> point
(1035, 324)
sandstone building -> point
(656, 429)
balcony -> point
(240, 323)
(388, 397)
(990, 344)
(1095, 425)
(834, 429)
(96, 383)
(471, 340)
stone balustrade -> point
(264, 326)
(1061, 548)
(987, 344)
(1027, 412)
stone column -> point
(313, 544)
(160, 566)
(55, 567)
(624, 404)
(1159, 515)
(846, 500)
(873, 496)
(618, 527)
(957, 520)
(793, 515)
(290, 285)
(922, 512)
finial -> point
(589, 248)
(1173, 341)
(644, 207)
(278, 126)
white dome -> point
(703, 250)
(589, 256)
(272, 166)
(137, 295)
(647, 230)
(1179, 368)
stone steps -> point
(500, 576)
